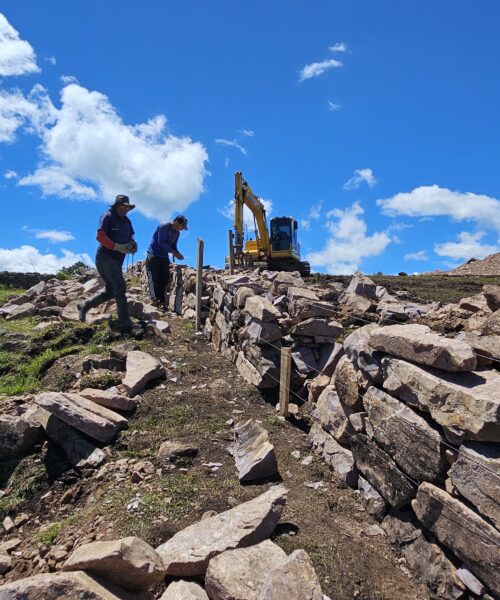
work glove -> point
(122, 248)
(132, 246)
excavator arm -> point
(243, 196)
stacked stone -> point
(410, 420)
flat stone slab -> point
(129, 562)
(415, 446)
(253, 452)
(359, 351)
(109, 399)
(295, 579)
(476, 475)
(340, 459)
(189, 551)
(184, 590)
(317, 327)
(460, 529)
(141, 368)
(346, 382)
(241, 573)
(86, 421)
(260, 308)
(264, 378)
(334, 416)
(419, 344)
(17, 311)
(466, 401)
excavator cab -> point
(284, 235)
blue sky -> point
(375, 124)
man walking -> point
(164, 242)
(115, 236)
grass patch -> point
(23, 483)
(7, 292)
(48, 536)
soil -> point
(201, 393)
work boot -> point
(124, 324)
(92, 302)
(82, 311)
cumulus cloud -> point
(232, 143)
(228, 212)
(313, 215)
(359, 177)
(90, 153)
(10, 174)
(34, 112)
(54, 236)
(338, 47)
(17, 57)
(468, 246)
(318, 68)
(334, 105)
(26, 259)
(420, 255)
(348, 242)
(435, 201)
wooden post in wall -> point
(285, 371)
(199, 283)
(231, 253)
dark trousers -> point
(158, 269)
(110, 269)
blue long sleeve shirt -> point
(164, 241)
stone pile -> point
(224, 556)
(410, 420)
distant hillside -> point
(487, 266)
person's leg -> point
(154, 278)
(99, 297)
(115, 277)
(164, 277)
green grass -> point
(7, 292)
(48, 536)
(23, 483)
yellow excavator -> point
(277, 250)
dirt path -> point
(131, 495)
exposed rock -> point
(184, 590)
(466, 401)
(109, 399)
(129, 562)
(345, 380)
(468, 536)
(359, 351)
(316, 386)
(475, 304)
(257, 331)
(486, 347)
(8, 524)
(189, 551)
(5, 563)
(419, 344)
(241, 573)
(54, 586)
(267, 376)
(423, 557)
(317, 327)
(120, 421)
(284, 280)
(472, 583)
(83, 420)
(373, 502)
(260, 308)
(295, 579)
(338, 458)
(333, 416)
(381, 471)
(304, 359)
(141, 368)
(415, 446)
(302, 293)
(303, 308)
(71, 311)
(476, 475)
(173, 451)
(17, 436)
(492, 295)
(253, 453)
(329, 358)
(17, 311)
(360, 285)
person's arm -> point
(162, 241)
(103, 239)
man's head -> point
(122, 205)
(180, 222)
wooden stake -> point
(231, 253)
(199, 283)
(285, 371)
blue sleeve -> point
(162, 239)
(132, 232)
(105, 223)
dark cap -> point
(181, 219)
(123, 200)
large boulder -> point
(357, 348)
(184, 590)
(129, 562)
(415, 446)
(381, 471)
(260, 308)
(334, 416)
(253, 452)
(141, 368)
(468, 402)
(360, 285)
(346, 382)
(339, 459)
(262, 374)
(419, 344)
(317, 327)
(460, 529)
(189, 551)
(261, 331)
(476, 475)
(17, 436)
(295, 579)
(241, 573)
(492, 295)
(329, 356)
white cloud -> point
(468, 246)
(339, 47)
(420, 255)
(247, 132)
(34, 112)
(360, 176)
(67, 79)
(17, 57)
(54, 236)
(27, 259)
(334, 105)
(318, 68)
(434, 201)
(10, 174)
(51, 60)
(90, 153)
(228, 212)
(348, 243)
(313, 215)
(232, 143)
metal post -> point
(231, 253)
(199, 283)
(285, 371)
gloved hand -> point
(123, 248)
(132, 246)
